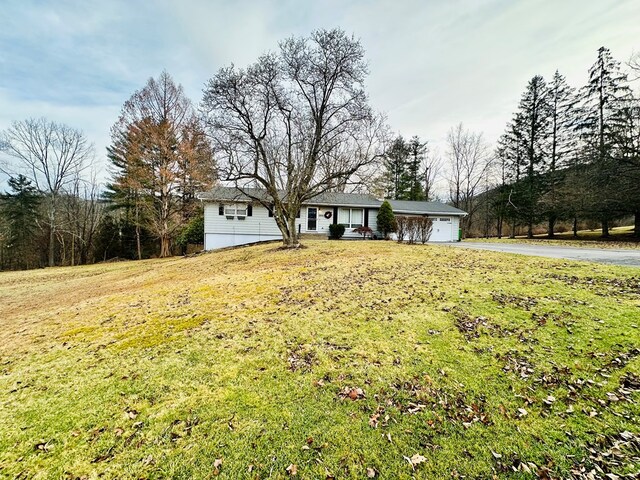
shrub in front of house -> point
(401, 228)
(364, 231)
(192, 232)
(386, 219)
(414, 229)
(336, 231)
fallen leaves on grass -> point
(217, 466)
(523, 302)
(301, 359)
(353, 393)
(415, 460)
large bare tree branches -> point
(51, 155)
(469, 160)
(296, 122)
(48, 153)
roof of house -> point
(234, 194)
(410, 206)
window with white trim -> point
(235, 210)
(351, 217)
(445, 219)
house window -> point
(230, 211)
(351, 217)
(239, 210)
(445, 219)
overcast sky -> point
(432, 63)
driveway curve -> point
(628, 257)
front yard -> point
(341, 360)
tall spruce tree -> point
(602, 99)
(396, 162)
(562, 144)
(534, 121)
(415, 168)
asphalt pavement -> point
(614, 256)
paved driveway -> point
(626, 257)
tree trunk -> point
(552, 224)
(138, 243)
(575, 227)
(530, 229)
(165, 246)
(52, 237)
(636, 222)
(605, 228)
(291, 239)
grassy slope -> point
(158, 368)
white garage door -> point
(441, 230)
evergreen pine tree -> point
(386, 220)
(20, 209)
(534, 123)
(396, 160)
(415, 170)
(562, 103)
(602, 99)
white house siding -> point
(222, 232)
(322, 227)
(444, 230)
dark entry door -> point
(312, 218)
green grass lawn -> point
(340, 360)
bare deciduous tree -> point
(469, 159)
(431, 166)
(81, 212)
(295, 123)
(51, 155)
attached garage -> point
(446, 219)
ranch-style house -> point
(234, 216)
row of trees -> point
(570, 154)
(297, 123)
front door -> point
(312, 218)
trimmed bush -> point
(336, 231)
(414, 229)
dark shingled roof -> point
(408, 206)
(234, 194)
